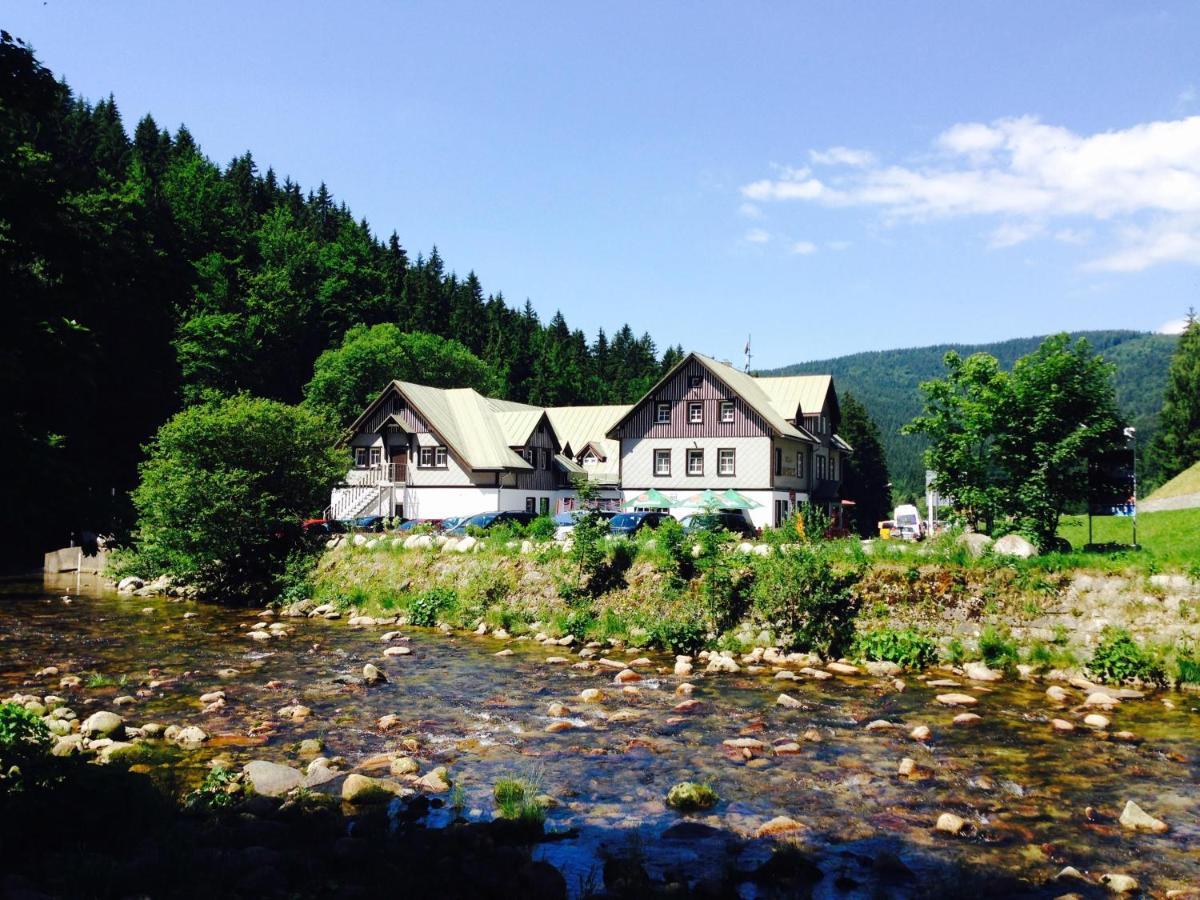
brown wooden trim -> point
(732, 474)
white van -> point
(908, 523)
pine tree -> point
(864, 473)
(1177, 446)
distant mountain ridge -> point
(887, 382)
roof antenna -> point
(748, 354)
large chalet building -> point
(430, 453)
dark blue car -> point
(630, 523)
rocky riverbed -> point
(911, 784)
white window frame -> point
(439, 457)
(727, 455)
(697, 407)
(662, 455)
(662, 413)
(727, 411)
(360, 457)
(375, 455)
(694, 453)
(425, 458)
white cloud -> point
(1186, 99)
(757, 236)
(804, 248)
(749, 211)
(1072, 236)
(1140, 185)
(1175, 326)
(839, 245)
(842, 156)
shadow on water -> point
(866, 832)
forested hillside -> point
(887, 382)
(139, 275)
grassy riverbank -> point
(911, 605)
(1169, 539)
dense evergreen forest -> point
(139, 276)
(886, 383)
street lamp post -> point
(1131, 433)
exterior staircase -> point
(365, 495)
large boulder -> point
(103, 725)
(129, 584)
(1014, 545)
(976, 543)
(271, 779)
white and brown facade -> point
(424, 452)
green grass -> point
(1169, 539)
(1186, 482)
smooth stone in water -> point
(788, 702)
(1095, 720)
(956, 699)
(920, 733)
(1134, 818)
(271, 779)
(966, 718)
(778, 825)
(950, 823)
(1119, 883)
(103, 724)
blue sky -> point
(826, 177)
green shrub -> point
(679, 636)
(997, 648)
(806, 600)
(816, 522)
(541, 529)
(24, 741)
(1187, 665)
(955, 652)
(516, 799)
(671, 543)
(1119, 658)
(220, 789)
(720, 588)
(427, 606)
(689, 796)
(906, 647)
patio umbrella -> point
(652, 499)
(704, 500)
(733, 500)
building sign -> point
(1111, 484)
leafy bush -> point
(1119, 658)
(997, 648)
(221, 789)
(671, 542)
(906, 647)
(224, 487)
(541, 529)
(516, 799)
(955, 652)
(806, 600)
(427, 606)
(24, 740)
(678, 635)
(719, 588)
(1187, 665)
(816, 521)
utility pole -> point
(1131, 433)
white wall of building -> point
(752, 469)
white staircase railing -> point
(365, 489)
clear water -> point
(1023, 787)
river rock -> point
(788, 702)
(1014, 545)
(558, 711)
(628, 676)
(687, 706)
(1095, 720)
(950, 823)
(975, 543)
(1062, 726)
(558, 726)
(718, 663)
(818, 674)
(592, 695)
(129, 584)
(296, 712)
(1134, 818)
(956, 699)
(752, 744)
(967, 718)
(504, 652)
(777, 826)
(362, 789)
(400, 650)
(883, 668)
(1119, 883)
(436, 782)
(103, 724)
(920, 733)
(978, 671)
(404, 765)
(1057, 694)
(685, 689)
(788, 748)
(1102, 700)
(271, 779)
(190, 738)
(683, 667)
(907, 766)
(212, 697)
(372, 675)
(841, 668)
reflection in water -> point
(1022, 787)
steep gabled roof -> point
(467, 422)
(790, 393)
(744, 385)
(518, 425)
(578, 426)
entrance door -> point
(400, 463)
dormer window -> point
(589, 459)
(695, 412)
(662, 413)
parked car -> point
(628, 524)
(729, 519)
(447, 523)
(565, 522)
(322, 526)
(490, 520)
(410, 524)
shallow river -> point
(1023, 788)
